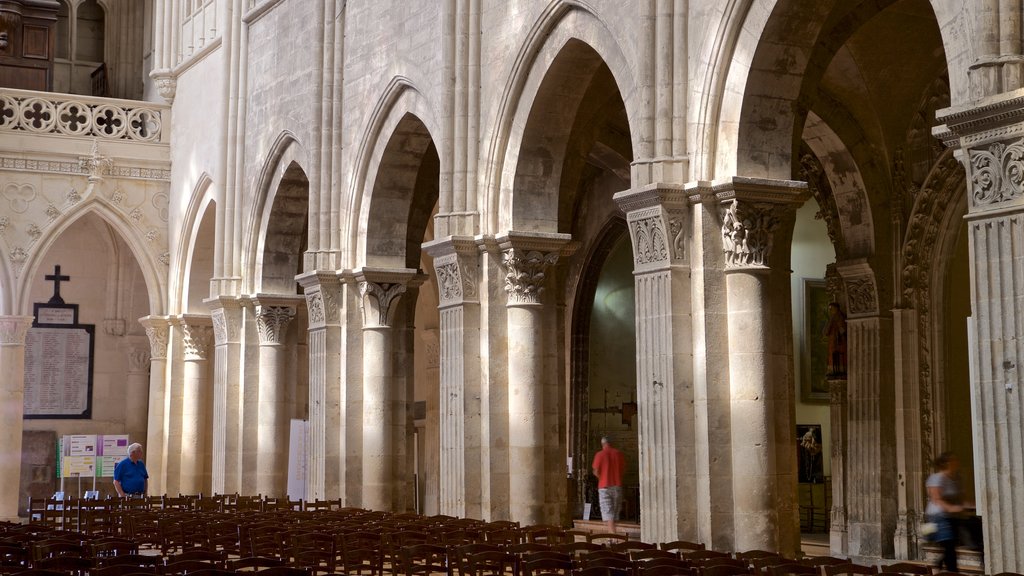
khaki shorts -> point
(610, 499)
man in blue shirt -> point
(130, 475)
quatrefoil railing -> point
(73, 115)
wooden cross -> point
(57, 278)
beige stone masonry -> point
(989, 137)
(659, 230)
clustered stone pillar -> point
(987, 134)
(226, 314)
(325, 427)
(273, 315)
(457, 269)
(381, 291)
(197, 332)
(158, 331)
(752, 213)
(526, 260)
(656, 216)
(871, 508)
(12, 406)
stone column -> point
(838, 537)
(273, 314)
(526, 259)
(136, 398)
(226, 314)
(197, 332)
(381, 291)
(987, 133)
(326, 429)
(658, 227)
(753, 214)
(872, 506)
(157, 330)
(456, 263)
(12, 407)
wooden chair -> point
(850, 569)
(546, 566)
(751, 554)
(315, 551)
(793, 569)
(73, 565)
(491, 563)
(361, 553)
(681, 546)
(666, 570)
(284, 571)
(577, 549)
(726, 569)
(763, 563)
(130, 560)
(654, 555)
(125, 570)
(606, 539)
(216, 559)
(253, 563)
(53, 548)
(424, 560)
(223, 536)
(823, 561)
(182, 567)
(112, 546)
(459, 554)
(211, 572)
(906, 568)
(630, 545)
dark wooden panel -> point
(36, 42)
(24, 78)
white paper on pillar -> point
(298, 459)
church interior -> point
(387, 259)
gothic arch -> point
(201, 199)
(401, 100)
(154, 278)
(284, 170)
(561, 22)
(849, 193)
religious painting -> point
(810, 454)
(814, 354)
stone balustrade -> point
(76, 115)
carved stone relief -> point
(525, 274)
(997, 173)
(380, 301)
(747, 233)
(272, 322)
(196, 338)
(861, 295)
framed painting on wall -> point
(814, 386)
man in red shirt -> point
(608, 467)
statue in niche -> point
(835, 332)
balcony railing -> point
(74, 115)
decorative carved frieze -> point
(157, 330)
(997, 172)
(272, 322)
(456, 264)
(748, 230)
(658, 224)
(321, 290)
(525, 274)
(13, 330)
(196, 336)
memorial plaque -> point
(58, 360)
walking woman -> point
(944, 507)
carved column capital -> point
(196, 335)
(381, 290)
(225, 313)
(157, 330)
(989, 134)
(13, 330)
(322, 290)
(273, 314)
(166, 83)
(457, 266)
(658, 224)
(861, 288)
(752, 210)
(526, 259)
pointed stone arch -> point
(153, 272)
(284, 173)
(201, 200)
(401, 105)
(562, 21)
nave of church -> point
(421, 256)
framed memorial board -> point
(58, 362)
